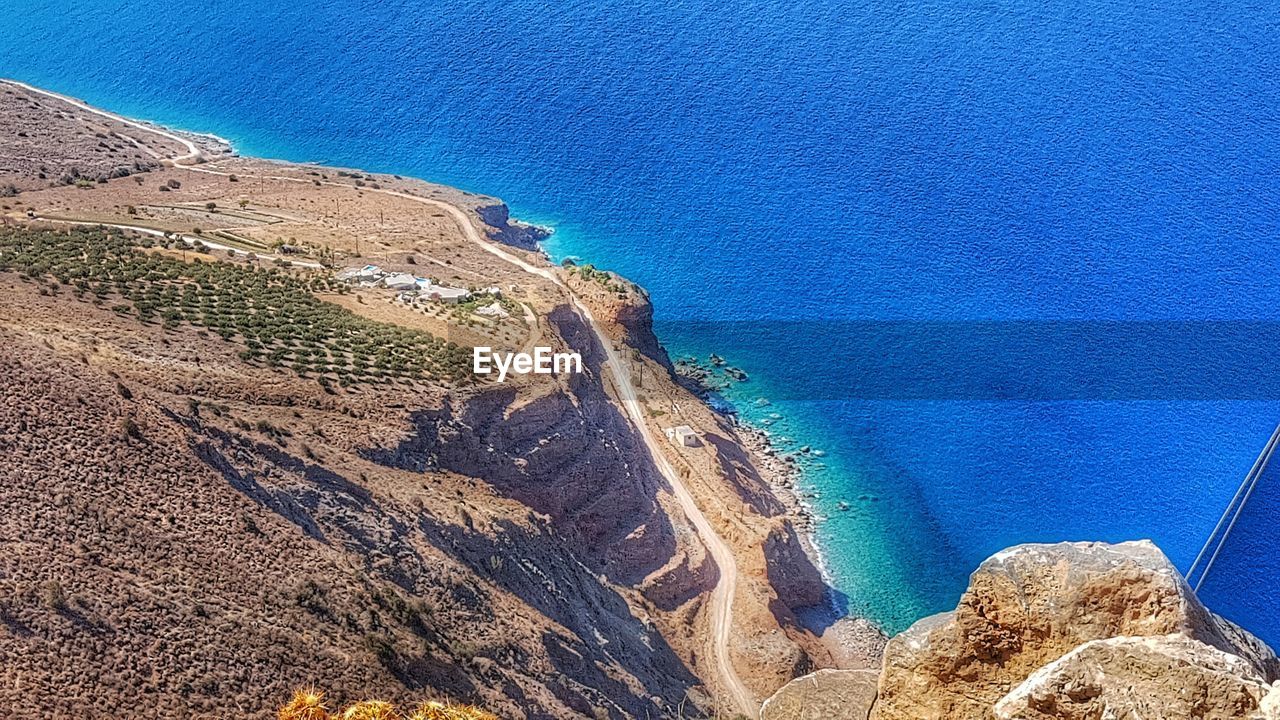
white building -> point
(366, 274)
(493, 310)
(448, 295)
(400, 281)
(683, 435)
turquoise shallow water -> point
(827, 163)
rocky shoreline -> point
(781, 469)
(855, 642)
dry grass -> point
(309, 704)
(305, 705)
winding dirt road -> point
(720, 605)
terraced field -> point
(271, 311)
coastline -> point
(779, 469)
(778, 475)
(855, 641)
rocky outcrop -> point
(824, 695)
(791, 571)
(1030, 605)
(1074, 630)
(511, 232)
(622, 307)
(1172, 676)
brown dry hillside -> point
(187, 528)
(225, 475)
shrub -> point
(305, 705)
(309, 705)
(129, 429)
(370, 710)
(55, 598)
(448, 711)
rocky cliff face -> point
(571, 455)
(1075, 630)
(1169, 676)
(623, 308)
(511, 232)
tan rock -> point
(1172, 677)
(824, 695)
(1030, 605)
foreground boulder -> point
(1141, 677)
(1030, 605)
(824, 695)
(1065, 631)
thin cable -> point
(1246, 483)
(1222, 543)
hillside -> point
(229, 474)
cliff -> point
(500, 226)
(237, 475)
(1073, 630)
(623, 306)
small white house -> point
(493, 310)
(448, 295)
(683, 435)
(366, 274)
(400, 281)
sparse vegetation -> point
(310, 705)
(271, 312)
(55, 598)
(129, 429)
(589, 272)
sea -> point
(1007, 269)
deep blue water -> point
(825, 162)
